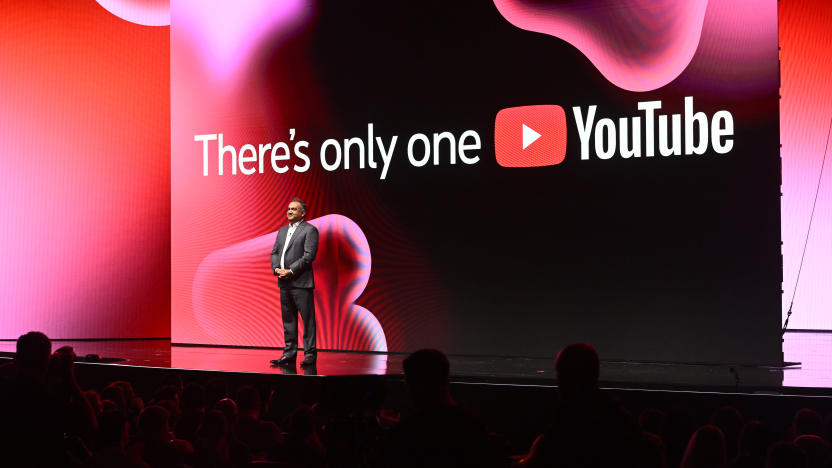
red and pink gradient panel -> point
(84, 176)
(805, 115)
(223, 227)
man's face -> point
(295, 212)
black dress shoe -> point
(309, 361)
(284, 361)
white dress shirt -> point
(292, 228)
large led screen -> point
(487, 178)
(84, 173)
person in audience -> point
(169, 395)
(94, 399)
(302, 445)
(212, 443)
(174, 413)
(806, 421)
(678, 431)
(229, 409)
(155, 443)
(785, 455)
(193, 409)
(111, 441)
(31, 416)
(256, 434)
(754, 440)
(115, 393)
(239, 452)
(706, 449)
(133, 405)
(44, 412)
(590, 428)
(816, 450)
(356, 414)
(729, 420)
(50, 421)
(439, 432)
(62, 386)
(654, 450)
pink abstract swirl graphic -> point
(638, 45)
(236, 298)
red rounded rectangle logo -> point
(530, 136)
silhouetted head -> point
(729, 420)
(174, 413)
(426, 372)
(816, 450)
(127, 389)
(32, 356)
(153, 424)
(807, 421)
(577, 366)
(755, 437)
(706, 449)
(785, 455)
(654, 450)
(302, 422)
(228, 408)
(115, 393)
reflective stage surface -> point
(812, 350)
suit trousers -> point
(292, 301)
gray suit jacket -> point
(303, 246)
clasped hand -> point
(283, 273)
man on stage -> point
(292, 256)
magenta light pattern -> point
(236, 298)
(638, 45)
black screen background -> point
(658, 259)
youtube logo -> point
(530, 136)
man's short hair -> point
(33, 350)
(577, 365)
(302, 203)
(427, 368)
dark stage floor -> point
(813, 350)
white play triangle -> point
(529, 136)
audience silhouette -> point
(706, 449)
(590, 428)
(439, 432)
(44, 412)
(49, 421)
(754, 440)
